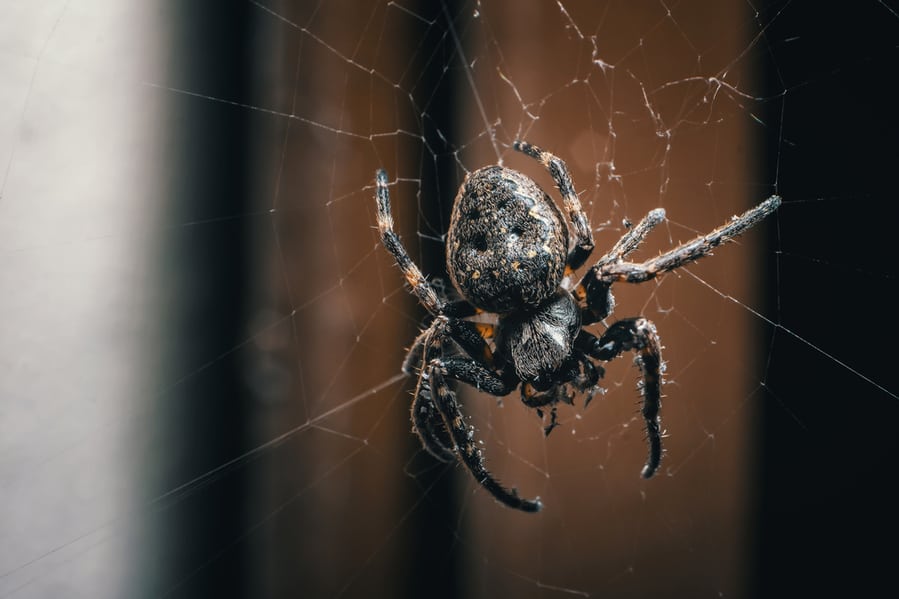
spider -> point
(508, 253)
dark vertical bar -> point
(827, 505)
(199, 418)
(438, 91)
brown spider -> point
(507, 253)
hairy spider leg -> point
(452, 431)
(466, 447)
(415, 358)
(592, 373)
(599, 303)
(559, 171)
(427, 423)
(420, 286)
(594, 296)
(455, 309)
(477, 367)
(426, 419)
(634, 236)
(475, 371)
(594, 289)
(639, 335)
(471, 336)
(685, 253)
(432, 390)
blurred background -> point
(200, 335)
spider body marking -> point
(507, 243)
(508, 252)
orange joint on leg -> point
(485, 329)
(579, 293)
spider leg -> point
(592, 372)
(685, 253)
(472, 338)
(456, 309)
(587, 382)
(415, 358)
(426, 420)
(639, 335)
(596, 294)
(477, 367)
(632, 239)
(594, 290)
(476, 375)
(452, 438)
(427, 423)
(465, 446)
(559, 172)
(420, 286)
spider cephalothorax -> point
(508, 253)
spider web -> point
(199, 359)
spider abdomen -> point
(507, 243)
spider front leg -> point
(594, 290)
(631, 240)
(685, 253)
(596, 295)
(583, 245)
(639, 335)
(420, 286)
